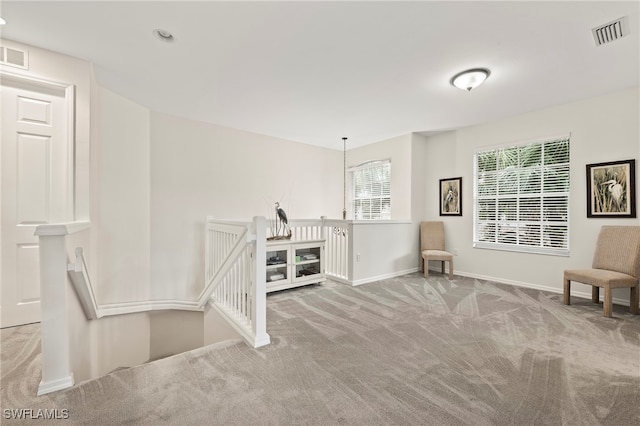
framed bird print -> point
(451, 197)
(611, 189)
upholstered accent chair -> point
(432, 246)
(616, 263)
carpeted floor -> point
(403, 351)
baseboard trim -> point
(382, 277)
(55, 385)
(580, 294)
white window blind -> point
(521, 197)
(371, 190)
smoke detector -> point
(611, 31)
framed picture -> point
(451, 197)
(611, 189)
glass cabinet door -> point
(277, 267)
(307, 261)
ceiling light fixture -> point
(163, 35)
(470, 79)
(2, 21)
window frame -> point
(550, 219)
(386, 192)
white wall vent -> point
(611, 32)
(14, 57)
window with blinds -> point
(371, 190)
(521, 197)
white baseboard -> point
(581, 294)
(381, 277)
(55, 385)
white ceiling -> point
(313, 72)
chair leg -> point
(567, 292)
(633, 300)
(595, 294)
(426, 268)
(451, 269)
(442, 266)
(608, 302)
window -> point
(521, 197)
(371, 190)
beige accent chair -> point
(616, 263)
(432, 246)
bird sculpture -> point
(615, 189)
(283, 219)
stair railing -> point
(338, 236)
(338, 247)
(235, 276)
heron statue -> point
(280, 214)
(615, 189)
(448, 200)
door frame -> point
(69, 92)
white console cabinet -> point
(294, 263)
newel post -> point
(260, 282)
(323, 230)
(56, 365)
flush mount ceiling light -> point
(163, 35)
(470, 79)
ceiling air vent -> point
(611, 32)
(14, 57)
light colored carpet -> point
(403, 351)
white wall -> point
(604, 128)
(174, 332)
(388, 249)
(120, 341)
(419, 182)
(120, 208)
(200, 169)
(120, 202)
(398, 150)
(383, 249)
(217, 328)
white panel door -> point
(35, 190)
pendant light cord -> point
(344, 178)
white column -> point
(260, 280)
(56, 371)
(349, 254)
